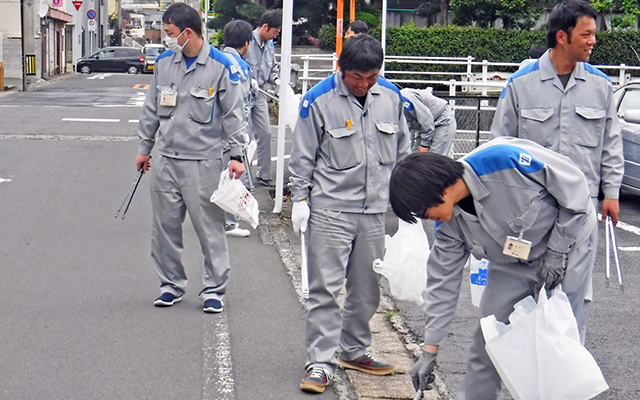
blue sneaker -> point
(213, 306)
(167, 300)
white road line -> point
(134, 121)
(217, 366)
(4, 180)
(72, 137)
(89, 120)
(629, 248)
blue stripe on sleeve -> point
(500, 157)
(593, 70)
(318, 90)
(534, 66)
(224, 60)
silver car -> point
(627, 100)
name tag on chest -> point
(516, 247)
(168, 99)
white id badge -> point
(168, 99)
(516, 247)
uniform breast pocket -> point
(535, 220)
(163, 110)
(343, 148)
(387, 139)
(201, 105)
(534, 124)
(589, 125)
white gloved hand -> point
(254, 84)
(300, 216)
(277, 84)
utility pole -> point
(28, 45)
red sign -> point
(77, 4)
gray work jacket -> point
(517, 187)
(261, 57)
(578, 121)
(244, 73)
(424, 112)
(208, 113)
(343, 153)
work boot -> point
(367, 364)
(315, 379)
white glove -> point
(276, 82)
(254, 84)
(300, 216)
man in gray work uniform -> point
(193, 108)
(432, 118)
(262, 60)
(524, 208)
(350, 133)
(565, 104)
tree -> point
(629, 9)
(514, 13)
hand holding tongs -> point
(132, 191)
(610, 235)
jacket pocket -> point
(201, 105)
(535, 221)
(589, 125)
(534, 124)
(387, 142)
(343, 148)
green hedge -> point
(496, 45)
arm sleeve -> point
(230, 100)
(424, 123)
(564, 181)
(505, 120)
(306, 142)
(444, 277)
(149, 121)
(612, 162)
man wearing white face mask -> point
(193, 109)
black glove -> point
(422, 373)
(552, 269)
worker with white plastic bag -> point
(405, 262)
(538, 354)
(525, 209)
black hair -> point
(564, 17)
(418, 182)
(537, 50)
(237, 33)
(361, 53)
(358, 27)
(183, 16)
(272, 18)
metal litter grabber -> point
(611, 240)
(130, 193)
(269, 95)
(304, 277)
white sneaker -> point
(238, 232)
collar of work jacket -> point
(547, 72)
(202, 57)
(344, 91)
(256, 38)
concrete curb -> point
(391, 340)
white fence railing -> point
(471, 81)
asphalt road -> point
(78, 285)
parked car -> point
(150, 53)
(627, 100)
(112, 59)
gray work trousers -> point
(341, 246)
(508, 284)
(444, 132)
(261, 131)
(178, 186)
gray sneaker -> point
(315, 379)
(367, 364)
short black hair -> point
(183, 16)
(272, 18)
(358, 27)
(361, 53)
(537, 50)
(564, 17)
(418, 182)
(237, 33)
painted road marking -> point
(99, 76)
(629, 248)
(140, 86)
(217, 365)
(89, 120)
(624, 226)
(4, 180)
(72, 137)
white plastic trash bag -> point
(539, 355)
(291, 102)
(234, 198)
(405, 262)
(477, 278)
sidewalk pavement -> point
(391, 342)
